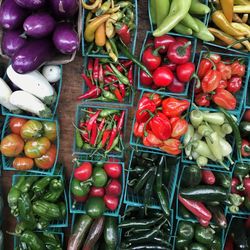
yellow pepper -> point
(242, 28)
(242, 9)
(227, 8)
(100, 36)
(104, 8)
(245, 43)
(109, 27)
(91, 6)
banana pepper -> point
(91, 6)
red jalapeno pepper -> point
(224, 99)
(179, 53)
(172, 107)
(234, 84)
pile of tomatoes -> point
(30, 143)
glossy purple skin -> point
(11, 15)
(39, 25)
(64, 8)
(31, 4)
(12, 41)
(33, 55)
(65, 38)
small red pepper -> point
(208, 177)
(105, 137)
(121, 121)
(222, 84)
(87, 81)
(112, 137)
(202, 99)
(226, 72)
(109, 79)
(96, 70)
(117, 94)
(156, 98)
(85, 136)
(145, 79)
(238, 69)
(160, 126)
(93, 134)
(122, 89)
(163, 42)
(145, 104)
(91, 93)
(163, 76)
(179, 128)
(130, 75)
(211, 80)
(204, 67)
(92, 120)
(151, 58)
(90, 66)
(123, 31)
(224, 99)
(101, 75)
(171, 146)
(179, 53)
(185, 71)
(245, 148)
(139, 129)
(234, 84)
(153, 139)
(174, 107)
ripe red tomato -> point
(16, 124)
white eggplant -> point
(30, 103)
(34, 83)
(5, 93)
(52, 73)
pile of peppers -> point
(158, 122)
(37, 202)
(97, 186)
(107, 82)
(244, 127)
(168, 58)
(145, 231)
(191, 235)
(220, 79)
(100, 130)
(229, 23)
(182, 16)
(106, 23)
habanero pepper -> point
(224, 99)
(179, 128)
(223, 84)
(245, 148)
(238, 68)
(156, 98)
(145, 104)
(225, 70)
(171, 146)
(211, 80)
(203, 99)
(204, 67)
(234, 84)
(151, 139)
(151, 58)
(139, 129)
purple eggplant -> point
(32, 55)
(64, 8)
(65, 38)
(11, 15)
(31, 4)
(12, 41)
(39, 25)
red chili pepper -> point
(109, 79)
(226, 72)
(163, 76)
(173, 107)
(171, 146)
(229, 243)
(208, 177)
(82, 124)
(123, 31)
(152, 139)
(85, 136)
(203, 99)
(216, 58)
(117, 94)
(156, 98)
(113, 135)
(179, 128)
(234, 84)
(121, 121)
(144, 104)
(87, 81)
(197, 208)
(211, 80)
(145, 79)
(245, 148)
(126, 64)
(90, 66)
(130, 75)
(93, 134)
(238, 69)
(179, 53)
(151, 58)
(96, 70)
(91, 93)
(224, 99)
(116, 117)
(222, 84)
(102, 124)
(92, 120)
(122, 90)
(204, 67)
(101, 75)
(160, 126)
(105, 137)
(163, 42)
(185, 71)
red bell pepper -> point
(151, 58)
(144, 105)
(222, 84)
(156, 98)
(139, 129)
(211, 80)
(163, 42)
(224, 99)
(179, 128)
(174, 107)
(176, 86)
(152, 139)
(202, 99)
(245, 148)
(145, 79)
(185, 71)
(179, 53)
(234, 84)
(123, 31)
(160, 126)
(226, 72)
(238, 69)
(204, 67)
(171, 146)
(163, 76)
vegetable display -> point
(25, 20)
(180, 16)
(108, 82)
(97, 186)
(30, 144)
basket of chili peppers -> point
(203, 195)
(210, 139)
(223, 81)
(238, 233)
(96, 187)
(39, 240)
(105, 81)
(186, 18)
(98, 232)
(189, 235)
(99, 131)
(30, 145)
(244, 128)
(159, 124)
(140, 230)
(106, 27)
(170, 60)
(151, 180)
(240, 186)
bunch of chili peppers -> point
(168, 59)
(100, 130)
(145, 231)
(158, 122)
(107, 82)
(219, 81)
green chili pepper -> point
(119, 75)
(108, 112)
(189, 21)
(203, 33)
(182, 29)
(113, 46)
(143, 179)
(162, 9)
(115, 142)
(79, 140)
(109, 95)
(197, 8)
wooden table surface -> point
(72, 87)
